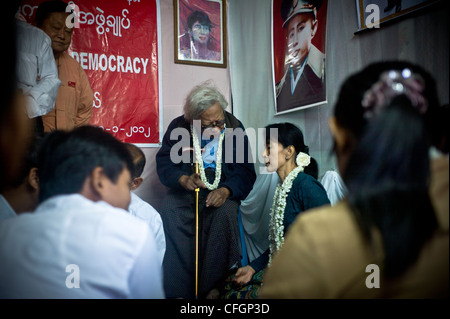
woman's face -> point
(200, 33)
(274, 156)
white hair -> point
(201, 98)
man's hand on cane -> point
(190, 183)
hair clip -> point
(392, 84)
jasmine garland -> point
(276, 227)
(199, 159)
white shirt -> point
(334, 186)
(6, 210)
(113, 252)
(144, 211)
(37, 74)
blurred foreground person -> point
(389, 238)
(15, 128)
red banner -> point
(116, 42)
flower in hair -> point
(392, 84)
(302, 159)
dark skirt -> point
(219, 245)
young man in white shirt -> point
(80, 243)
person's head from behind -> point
(26, 183)
(284, 141)
(199, 27)
(139, 161)
(51, 17)
(300, 23)
(87, 161)
(381, 93)
(382, 129)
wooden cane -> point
(197, 190)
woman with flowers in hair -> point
(287, 155)
(389, 237)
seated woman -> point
(226, 176)
(389, 238)
(296, 192)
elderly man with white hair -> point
(226, 176)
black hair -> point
(139, 160)
(48, 7)
(441, 134)
(312, 169)
(30, 160)
(388, 172)
(199, 16)
(67, 158)
(287, 134)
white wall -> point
(177, 81)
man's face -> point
(118, 194)
(200, 33)
(301, 30)
(212, 120)
(59, 33)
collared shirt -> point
(71, 247)
(210, 150)
(73, 107)
(37, 74)
(295, 79)
(145, 212)
(6, 211)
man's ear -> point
(33, 178)
(315, 25)
(136, 182)
(94, 185)
(97, 180)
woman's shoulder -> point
(305, 180)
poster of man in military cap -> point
(298, 35)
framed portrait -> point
(372, 13)
(200, 32)
(298, 50)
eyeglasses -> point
(218, 124)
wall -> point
(177, 81)
(422, 38)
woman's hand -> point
(243, 275)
